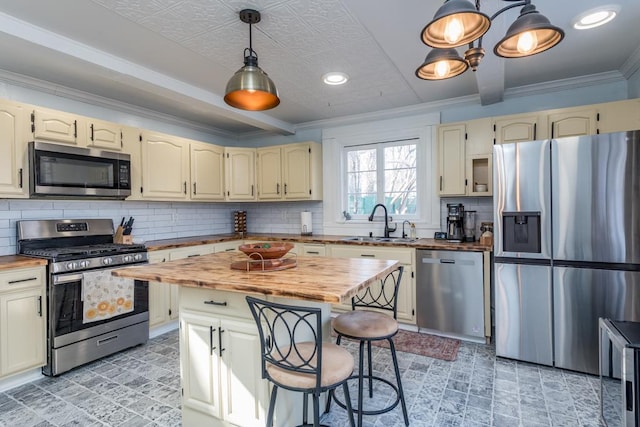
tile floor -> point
(141, 387)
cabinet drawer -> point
(21, 279)
(216, 302)
(403, 255)
(190, 252)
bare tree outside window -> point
(381, 173)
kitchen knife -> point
(122, 222)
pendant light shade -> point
(456, 23)
(250, 88)
(531, 33)
(442, 64)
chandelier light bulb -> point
(454, 30)
(442, 68)
(527, 42)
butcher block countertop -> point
(156, 245)
(321, 279)
(9, 262)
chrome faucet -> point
(387, 230)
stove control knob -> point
(107, 260)
(137, 257)
(83, 264)
(127, 258)
(71, 265)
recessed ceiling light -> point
(595, 17)
(335, 78)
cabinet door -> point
(480, 172)
(13, 172)
(104, 135)
(297, 171)
(268, 173)
(244, 392)
(620, 116)
(573, 123)
(516, 129)
(158, 294)
(165, 167)
(207, 171)
(451, 160)
(22, 330)
(240, 173)
(200, 364)
(56, 126)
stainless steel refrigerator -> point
(567, 245)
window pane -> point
(400, 179)
(361, 180)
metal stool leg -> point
(316, 410)
(272, 405)
(370, 369)
(347, 400)
(305, 410)
(360, 383)
(392, 347)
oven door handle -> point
(66, 278)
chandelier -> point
(459, 22)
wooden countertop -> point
(320, 279)
(156, 245)
(9, 262)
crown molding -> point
(631, 65)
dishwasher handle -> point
(447, 261)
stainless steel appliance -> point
(58, 170)
(449, 292)
(619, 373)
(91, 314)
(567, 245)
(455, 216)
(469, 226)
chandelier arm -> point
(504, 9)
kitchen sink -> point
(378, 239)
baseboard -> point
(156, 331)
(20, 379)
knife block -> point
(121, 238)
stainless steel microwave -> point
(62, 171)
(619, 373)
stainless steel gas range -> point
(91, 313)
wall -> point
(160, 220)
(634, 84)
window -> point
(381, 173)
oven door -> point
(58, 170)
(619, 370)
(82, 305)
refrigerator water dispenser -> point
(521, 232)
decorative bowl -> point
(266, 250)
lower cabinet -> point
(22, 320)
(220, 361)
(406, 256)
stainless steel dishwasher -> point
(449, 292)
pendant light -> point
(460, 22)
(250, 88)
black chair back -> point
(384, 297)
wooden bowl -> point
(266, 250)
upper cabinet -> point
(101, 134)
(451, 159)
(165, 167)
(207, 171)
(516, 128)
(57, 126)
(240, 181)
(290, 172)
(620, 116)
(13, 159)
(573, 122)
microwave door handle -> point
(629, 382)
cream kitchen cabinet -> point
(406, 256)
(13, 159)
(106, 135)
(22, 320)
(573, 122)
(164, 167)
(231, 246)
(207, 171)
(221, 373)
(57, 126)
(517, 128)
(451, 159)
(311, 249)
(620, 116)
(240, 173)
(269, 173)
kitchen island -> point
(219, 344)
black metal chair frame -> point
(278, 326)
(381, 300)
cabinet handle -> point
(229, 249)
(14, 282)
(211, 347)
(220, 342)
(20, 177)
(185, 187)
(313, 252)
(535, 131)
(285, 189)
(277, 188)
(368, 255)
(440, 182)
(75, 129)
(212, 302)
(194, 188)
(40, 306)
(191, 256)
(91, 127)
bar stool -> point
(294, 356)
(366, 325)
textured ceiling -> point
(175, 57)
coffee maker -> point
(455, 217)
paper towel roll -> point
(306, 227)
